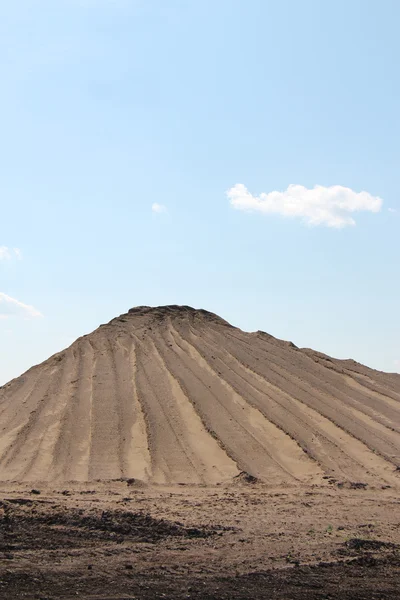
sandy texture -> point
(175, 395)
(247, 541)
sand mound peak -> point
(175, 311)
(173, 394)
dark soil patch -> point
(372, 545)
(347, 581)
(26, 525)
(367, 549)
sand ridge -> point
(177, 395)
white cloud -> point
(331, 206)
(5, 253)
(10, 307)
(158, 208)
(392, 210)
(9, 253)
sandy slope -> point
(177, 395)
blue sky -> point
(157, 152)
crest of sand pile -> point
(177, 395)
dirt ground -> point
(121, 540)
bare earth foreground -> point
(171, 455)
(115, 540)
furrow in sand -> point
(385, 384)
(209, 459)
(279, 448)
(334, 449)
(242, 431)
(16, 457)
(330, 444)
(380, 403)
(23, 400)
(72, 450)
(181, 450)
(374, 391)
(279, 408)
(169, 460)
(285, 413)
(328, 382)
(134, 452)
(181, 371)
(17, 413)
(46, 432)
(362, 427)
(331, 384)
(105, 459)
(18, 390)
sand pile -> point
(177, 395)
